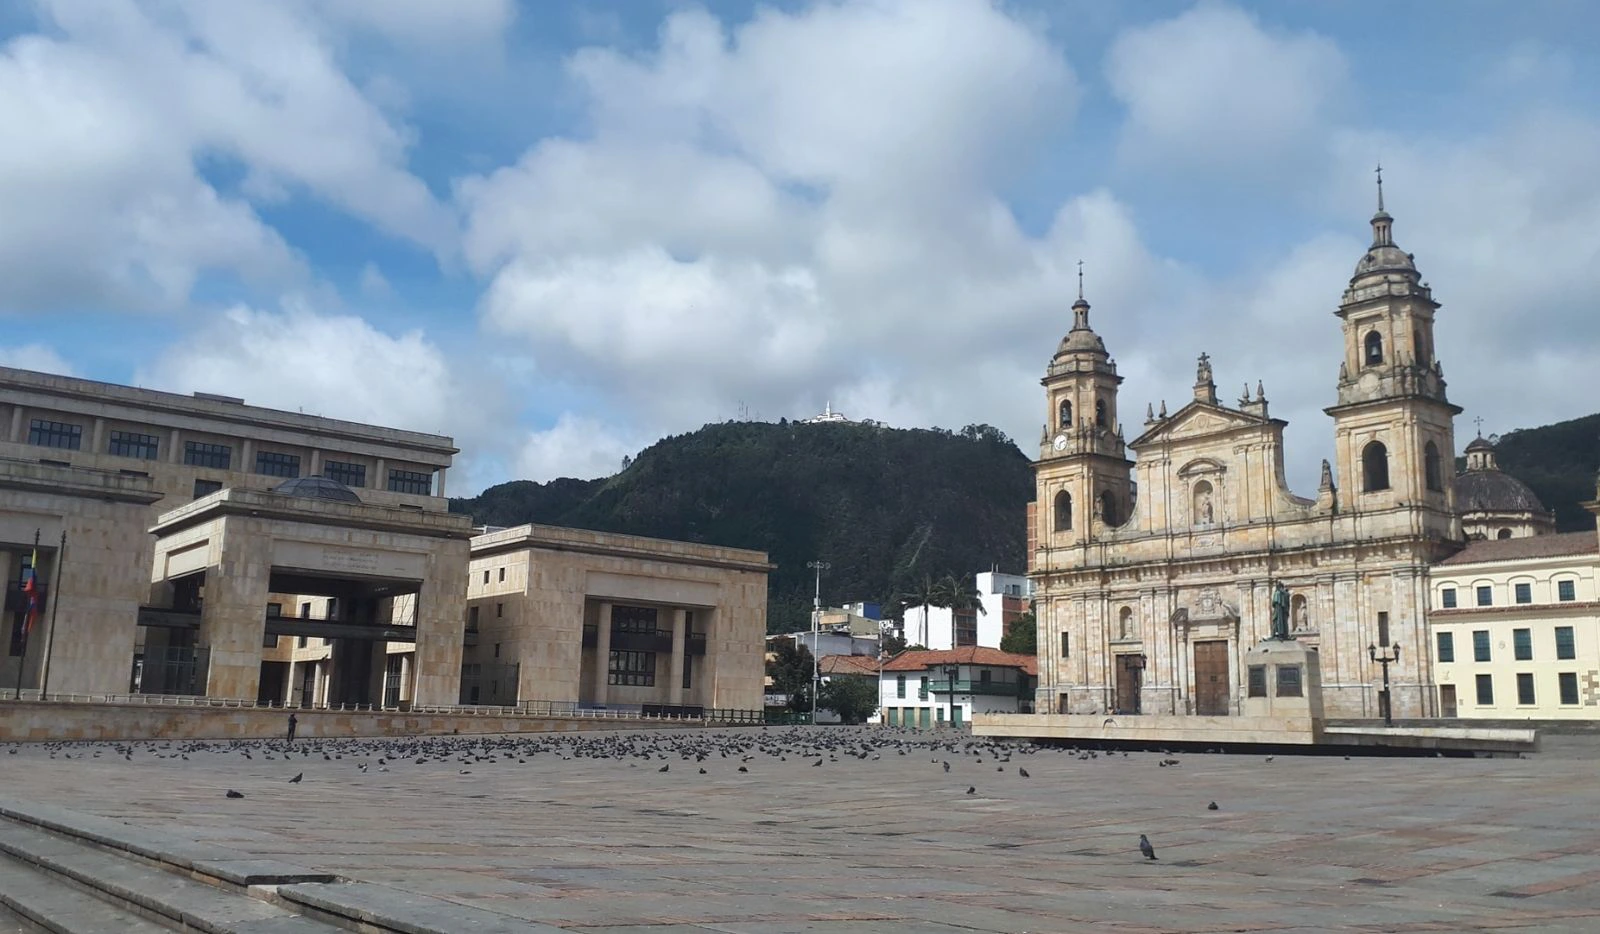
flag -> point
(30, 586)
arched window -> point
(1108, 509)
(1298, 619)
(1063, 511)
(1430, 467)
(1126, 628)
(1504, 533)
(1203, 512)
(1419, 348)
(1374, 467)
(1065, 415)
(1100, 413)
(1374, 346)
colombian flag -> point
(30, 586)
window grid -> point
(345, 472)
(411, 481)
(1485, 594)
(1447, 598)
(206, 487)
(1525, 689)
(1485, 685)
(899, 687)
(632, 669)
(48, 434)
(1523, 593)
(1480, 645)
(1566, 591)
(1568, 683)
(1565, 649)
(134, 444)
(1522, 644)
(201, 454)
(1064, 645)
(1447, 647)
(277, 464)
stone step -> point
(365, 906)
(129, 882)
(47, 903)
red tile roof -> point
(967, 655)
(1517, 549)
(848, 665)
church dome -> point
(1082, 338)
(1385, 257)
(1479, 444)
(317, 488)
(1493, 491)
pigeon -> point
(1145, 847)
(234, 794)
(702, 771)
(1269, 758)
(1022, 772)
(743, 769)
(947, 766)
(297, 777)
(663, 768)
(972, 789)
(1212, 806)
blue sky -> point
(558, 231)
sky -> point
(559, 231)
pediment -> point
(1197, 420)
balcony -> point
(982, 688)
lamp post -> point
(1385, 661)
(816, 621)
(950, 673)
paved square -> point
(596, 839)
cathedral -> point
(1155, 559)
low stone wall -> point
(33, 721)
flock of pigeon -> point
(702, 750)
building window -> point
(1503, 534)
(1568, 682)
(206, 487)
(1374, 467)
(1525, 689)
(301, 642)
(1063, 511)
(633, 619)
(966, 629)
(1257, 681)
(48, 434)
(277, 464)
(1522, 593)
(502, 574)
(922, 688)
(1064, 413)
(1064, 645)
(472, 619)
(1485, 593)
(1447, 598)
(198, 454)
(1447, 647)
(1383, 628)
(351, 475)
(1522, 645)
(1480, 645)
(1565, 649)
(632, 669)
(1430, 467)
(1485, 690)
(305, 613)
(1374, 348)
(899, 687)
(133, 444)
(411, 481)
(269, 640)
(497, 650)
(1566, 591)
(983, 676)
(486, 575)
(499, 610)
(274, 610)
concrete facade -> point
(1150, 593)
(607, 620)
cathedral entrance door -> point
(1130, 677)
(1211, 685)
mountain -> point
(1558, 463)
(883, 506)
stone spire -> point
(1382, 223)
(1205, 388)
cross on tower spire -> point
(1479, 422)
(1379, 171)
(1080, 280)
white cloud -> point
(575, 446)
(37, 357)
(373, 284)
(423, 22)
(1212, 88)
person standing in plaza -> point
(293, 721)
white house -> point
(1005, 597)
(931, 688)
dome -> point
(1493, 491)
(1479, 443)
(1385, 258)
(1082, 338)
(317, 488)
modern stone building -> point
(608, 620)
(1154, 580)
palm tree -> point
(958, 596)
(925, 593)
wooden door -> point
(1211, 684)
(1447, 699)
(1130, 677)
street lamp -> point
(816, 622)
(950, 672)
(1385, 661)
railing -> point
(981, 688)
(659, 640)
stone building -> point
(1153, 580)
(609, 620)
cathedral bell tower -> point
(1083, 472)
(1393, 426)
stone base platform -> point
(1290, 734)
(55, 721)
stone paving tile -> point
(895, 845)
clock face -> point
(1061, 442)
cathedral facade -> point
(1155, 573)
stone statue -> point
(1205, 508)
(1280, 612)
(1202, 372)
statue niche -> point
(1204, 509)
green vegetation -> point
(1558, 463)
(790, 670)
(888, 508)
(1022, 635)
(852, 697)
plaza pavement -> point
(895, 844)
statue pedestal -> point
(1282, 679)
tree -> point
(925, 594)
(790, 670)
(850, 696)
(959, 597)
(1022, 636)
(891, 642)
